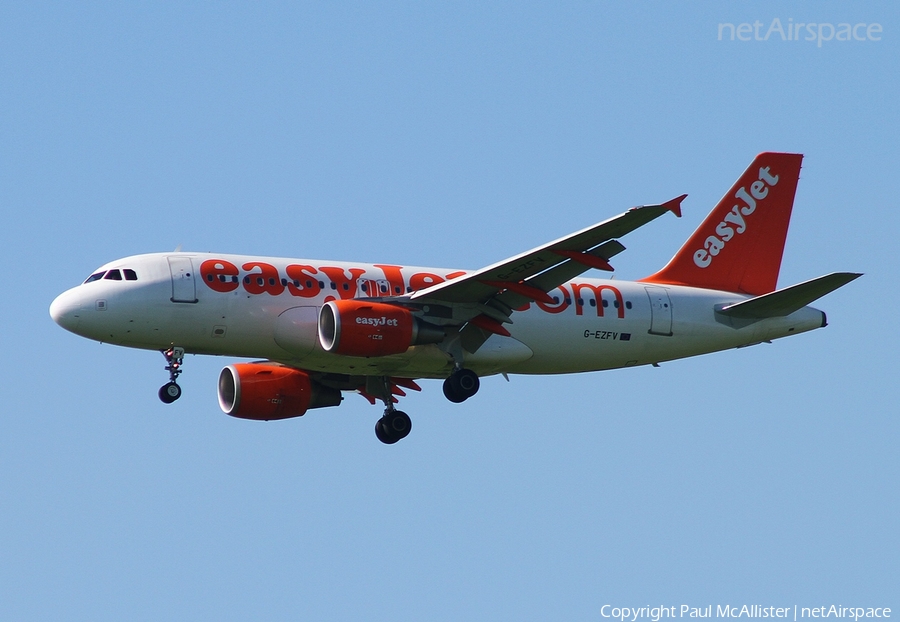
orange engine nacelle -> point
(361, 328)
(264, 391)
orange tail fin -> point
(739, 246)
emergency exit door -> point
(660, 311)
(183, 288)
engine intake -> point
(266, 391)
(360, 328)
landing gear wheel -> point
(381, 434)
(393, 426)
(461, 385)
(169, 392)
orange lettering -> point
(559, 307)
(219, 275)
(301, 281)
(266, 280)
(598, 296)
(394, 277)
(346, 287)
(421, 280)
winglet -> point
(674, 205)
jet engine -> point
(361, 328)
(264, 391)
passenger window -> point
(605, 303)
(95, 277)
(627, 304)
(130, 275)
(113, 275)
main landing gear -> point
(395, 424)
(170, 391)
(461, 385)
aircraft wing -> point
(530, 275)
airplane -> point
(322, 328)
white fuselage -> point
(269, 310)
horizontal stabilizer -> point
(785, 301)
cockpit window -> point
(113, 275)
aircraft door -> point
(183, 288)
(660, 311)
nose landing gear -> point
(170, 391)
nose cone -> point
(66, 310)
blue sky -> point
(451, 135)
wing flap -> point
(554, 277)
